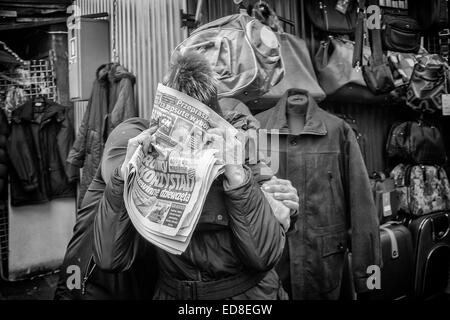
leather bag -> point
(334, 68)
(417, 142)
(324, 16)
(400, 33)
(244, 53)
(428, 83)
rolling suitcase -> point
(431, 239)
(397, 272)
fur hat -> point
(192, 74)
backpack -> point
(244, 53)
(422, 189)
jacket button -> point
(340, 247)
(219, 217)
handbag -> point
(417, 142)
(333, 63)
(299, 74)
(377, 74)
(422, 189)
(400, 33)
(324, 16)
(428, 83)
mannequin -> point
(296, 108)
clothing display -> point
(111, 102)
(40, 138)
(325, 164)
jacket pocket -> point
(214, 214)
(333, 248)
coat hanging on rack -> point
(111, 102)
(38, 144)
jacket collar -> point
(313, 125)
(25, 112)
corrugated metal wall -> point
(145, 33)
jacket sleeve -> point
(21, 156)
(259, 237)
(365, 239)
(124, 107)
(64, 140)
(116, 241)
(77, 153)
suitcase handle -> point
(394, 245)
(439, 234)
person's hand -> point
(145, 138)
(280, 211)
(283, 191)
(230, 151)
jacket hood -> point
(114, 72)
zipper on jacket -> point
(88, 273)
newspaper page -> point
(165, 189)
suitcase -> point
(431, 240)
(397, 269)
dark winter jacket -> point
(111, 102)
(4, 132)
(95, 284)
(237, 233)
(37, 148)
(325, 164)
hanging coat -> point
(111, 102)
(37, 148)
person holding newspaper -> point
(239, 238)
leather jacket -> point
(337, 210)
(37, 148)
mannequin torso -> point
(297, 105)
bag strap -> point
(359, 36)
(394, 244)
(376, 43)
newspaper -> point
(165, 189)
